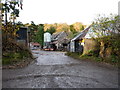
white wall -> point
(72, 46)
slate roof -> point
(81, 34)
(60, 37)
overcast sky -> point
(65, 11)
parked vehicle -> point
(48, 48)
(34, 46)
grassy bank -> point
(92, 58)
(14, 54)
(15, 57)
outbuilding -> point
(77, 43)
(60, 40)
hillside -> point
(64, 26)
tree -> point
(10, 27)
(11, 7)
(72, 29)
(40, 35)
(51, 30)
(78, 26)
(82, 28)
(103, 26)
(33, 28)
(107, 29)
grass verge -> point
(92, 58)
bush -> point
(13, 53)
(93, 53)
(110, 49)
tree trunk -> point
(102, 49)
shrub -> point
(13, 52)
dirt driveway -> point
(56, 70)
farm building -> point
(60, 40)
(47, 39)
(77, 43)
(82, 42)
(35, 45)
(22, 36)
